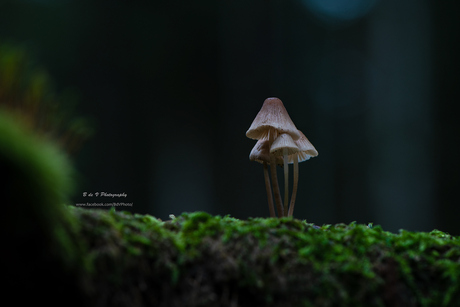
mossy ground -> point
(201, 260)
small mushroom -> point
(261, 153)
(284, 146)
(272, 120)
(272, 117)
(306, 151)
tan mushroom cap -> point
(261, 152)
(306, 149)
(284, 141)
(273, 114)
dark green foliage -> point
(36, 181)
(39, 233)
(27, 94)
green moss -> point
(38, 182)
(198, 258)
(41, 234)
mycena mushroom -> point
(271, 121)
(306, 151)
(261, 153)
(284, 146)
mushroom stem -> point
(294, 187)
(276, 188)
(271, 207)
(286, 181)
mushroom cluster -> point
(278, 143)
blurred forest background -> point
(172, 86)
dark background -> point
(172, 86)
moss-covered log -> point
(203, 260)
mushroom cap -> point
(304, 145)
(284, 141)
(301, 156)
(306, 149)
(261, 152)
(273, 114)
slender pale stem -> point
(286, 181)
(271, 207)
(294, 187)
(276, 188)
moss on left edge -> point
(40, 232)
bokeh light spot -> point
(335, 11)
